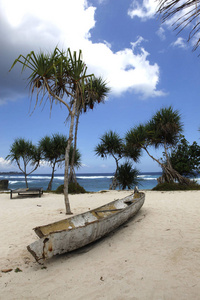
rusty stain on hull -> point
(75, 232)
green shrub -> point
(60, 189)
(176, 186)
(73, 188)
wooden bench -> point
(27, 191)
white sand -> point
(156, 255)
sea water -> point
(92, 182)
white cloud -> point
(107, 44)
(138, 42)
(161, 33)
(144, 10)
(180, 43)
(147, 9)
(44, 20)
(5, 165)
(44, 25)
(101, 1)
(124, 70)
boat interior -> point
(85, 218)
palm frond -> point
(188, 12)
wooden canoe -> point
(77, 231)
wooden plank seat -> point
(27, 191)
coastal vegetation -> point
(53, 151)
(25, 155)
(61, 76)
(162, 130)
(180, 160)
(127, 176)
(185, 158)
(111, 145)
(50, 149)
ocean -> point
(91, 182)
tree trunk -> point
(70, 139)
(72, 175)
(25, 174)
(51, 180)
(26, 180)
(169, 174)
(114, 183)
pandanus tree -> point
(53, 151)
(111, 145)
(26, 155)
(95, 92)
(187, 12)
(162, 130)
(60, 77)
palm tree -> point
(96, 91)
(25, 154)
(53, 150)
(187, 15)
(111, 144)
(165, 128)
(127, 176)
(162, 130)
(58, 77)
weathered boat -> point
(77, 231)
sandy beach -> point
(156, 255)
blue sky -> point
(146, 64)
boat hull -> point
(84, 228)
